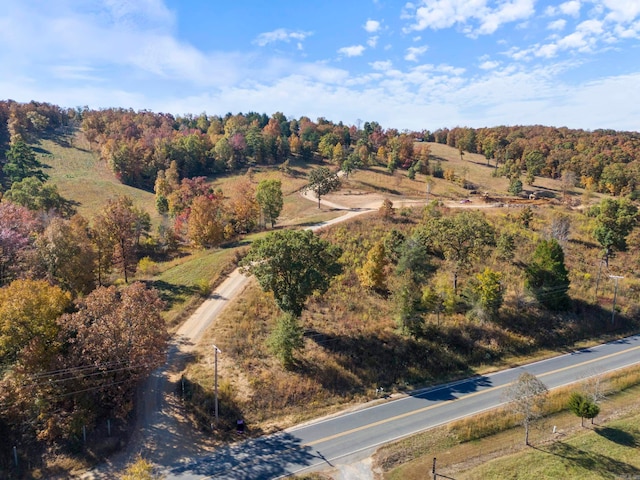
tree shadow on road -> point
(262, 458)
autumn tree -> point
(489, 293)
(18, 226)
(322, 181)
(66, 254)
(207, 221)
(386, 210)
(547, 277)
(120, 225)
(29, 310)
(292, 264)
(244, 207)
(121, 332)
(372, 274)
(526, 396)
(269, 198)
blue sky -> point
(414, 65)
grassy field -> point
(81, 176)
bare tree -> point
(526, 396)
(595, 386)
(560, 228)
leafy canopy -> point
(269, 197)
(292, 264)
(322, 181)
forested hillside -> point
(396, 298)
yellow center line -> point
(470, 395)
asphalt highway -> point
(354, 435)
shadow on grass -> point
(379, 188)
(172, 293)
(41, 151)
(618, 436)
(365, 361)
(606, 467)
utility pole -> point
(215, 382)
(615, 295)
(433, 469)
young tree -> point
(372, 274)
(244, 207)
(269, 197)
(526, 216)
(515, 186)
(407, 300)
(505, 246)
(386, 210)
(292, 264)
(120, 225)
(206, 221)
(322, 181)
(547, 277)
(526, 397)
(583, 407)
(489, 292)
(286, 339)
(615, 218)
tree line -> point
(601, 160)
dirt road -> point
(162, 435)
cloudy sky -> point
(424, 64)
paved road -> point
(354, 435)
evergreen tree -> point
(21, 162)
(547, 277)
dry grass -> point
(352, 343)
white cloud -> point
(280, 35)
(372, 26)
(557, 24)
(571, 8)
(372, 41)
(489, 65)
(622, 11)
(352, 51)
(381, 65)
(439, 14)
(414, 52)
(129, 54)
(546, 51)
